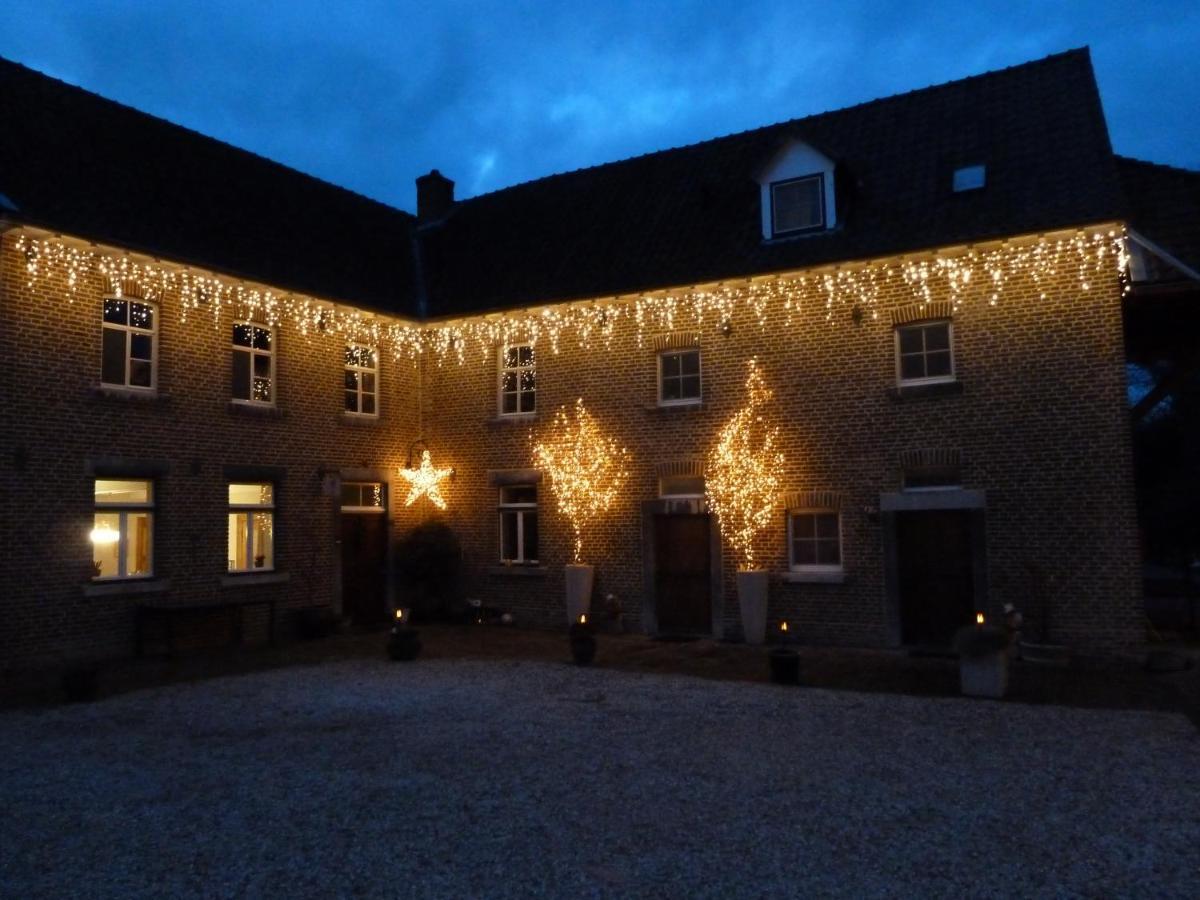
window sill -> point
(518, 571)
(517, 419)
(674, 407)
(246, 579)
(118, 588)
(128, 394)
(902, 393)
(349, 418)
(242, 408)
(793, 577)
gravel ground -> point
(451, 779)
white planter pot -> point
(579, 580)
(984, 676)
(752, 600)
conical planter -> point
(579, 580)
(752, 600)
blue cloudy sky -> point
(371, 94)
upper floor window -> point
(123, 529)
(518, 524)
(798, 204)
(679, 376)
(518, 387)
(251, 526)
(815, 540)
(925, 352)
(362, 380)
(128, 344)
(253, 363)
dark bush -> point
(429, 570)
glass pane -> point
(105, 537)
(527, 380)
(527, 401)
(804, 553)
(141, 315)
(112, 368)
(140, 374)
(938, 363)
(690, 363)
(141, 346)
(508, 381)
(518, 493)
(262, 339)
(368, 382)
(827, 525)
(910, 340)
(251, 494)
(351, 494)
(671, 388)
(351, 380)
(509, 403)
(111, 492)
(510, 358)
(262, 366)
(804, 526)
(797, 204)
(138, 556)
(368, 404)
(351, 401)
(912, 366)
(531, 536)
(689, 387)
(828, 553)
(242, 335)
(670, 365)
(238, 523)
(525, 356)
(937, 337)
(241, 375)
(264, 540)
(115, 311)
(508, 535)
(262, 390)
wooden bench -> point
(167, 614)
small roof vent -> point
(970, 178)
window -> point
(251, 526)
(924, 353)
(359, 496)
(123, 529)
(517, 380)
(362, 380)
(798, 204)
(678, 377)
(815, 540)
(970, 178)
(253, 364)
(681, 486)
(128, 344)
(518, 524)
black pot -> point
(583, 644)
(404, 644)
(316, 622)
(81, 685)
(785, 666)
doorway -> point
(364, 536)
(682, 574)
(935, 574)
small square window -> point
(815, 541)
(678, 377)
(681, 486)
(798, 204)
(925, 353)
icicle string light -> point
(587, 469)
(741, 479)
(972, 275)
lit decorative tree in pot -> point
(742, 483)
(587, 473)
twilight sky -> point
(371, 93)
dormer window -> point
(798, 204)
(970, 178)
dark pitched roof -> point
(78, 163)
(691, 214)
(1164, 206)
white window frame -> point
(821, 568)
(933, 379)
(502, 370)
(819, 178)
(662, 491)
(130, 330)
(360, 371)
(254, 352)
(359, 508)
(683, 401)
(520, 509)
(251, 509)
(122, 509)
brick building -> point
(216, 366)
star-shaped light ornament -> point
(425, 481)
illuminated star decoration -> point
(424, 481)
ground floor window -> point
(251, 526)
(815, 540)
(123, 529)
(518, 524)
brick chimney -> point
(435, 196)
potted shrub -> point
(983, 659)
(742, 485)
(587, 473)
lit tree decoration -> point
(425, 481)
(586, 468)
(741, 479)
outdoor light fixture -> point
(583, 641)
(424, 480)
(978, 618)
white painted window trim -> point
(684, 401)
(252, 508)
(502, 369)
(520, 509)
(819, 177)
(935, 379)
(254, 351)
(825, 568)
(122, 510)
(130, 329)
(383, 494)
(359, 392)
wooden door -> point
(683, 601)
(364, 568)
(935, 575)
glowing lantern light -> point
(425, 481)
(583, 618)
(978, 618)
(783, 627)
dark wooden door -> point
(364, 568)
(681, 577)
(937, 590)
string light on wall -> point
(424, 480)
(970, 275)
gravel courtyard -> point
(450, 779)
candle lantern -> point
(583, 641)
(783, 659)
(404, 643)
